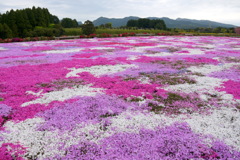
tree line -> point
(146, 23)
(28, 22)
(33, 22)
(36, 22)
(69, 23)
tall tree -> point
(132, 23)
(38, 12)
(54, 19)
(11, 22)
(31, 17)
(143, 23)
(147, 23)
(5, 31)
(69, 23)
(23, 22)
(88, 27)
(46, 16)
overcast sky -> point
(225, 11)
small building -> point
(237, 30)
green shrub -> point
(88, 28)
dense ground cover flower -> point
(168, 97)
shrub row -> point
(8, 40)
(102, 35)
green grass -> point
(78, 31)
(115, 32)
(73, 31)
(119, 31)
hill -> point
(182, 23)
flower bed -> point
(121, 98)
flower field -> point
(166, 97)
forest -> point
(29, 22)
(147, 23)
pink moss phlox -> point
(10, 151)
(145, 59)
(5, 110)
(202, 60)
(23, 113)
(5, 113)
(231, 87)
(39, 48)
(173, 142)
(183, 51)
(11, 57)
(116, 86)
(231, 74)
(86, 55)
(17, 80)
(65, 116)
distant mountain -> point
(116, 22)
(182, 23)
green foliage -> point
(147, 23)
(54, 19)
(5, 31)
(155, 108)
(55, 30)
(132, 23)
(88, 28)
(172, 97)
(212, 30)
(69, 23)
(106, 26)
(113, 31)
(143, 23)
(21, 23)
(73, 31)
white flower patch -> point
(2, 49)
(216, 58)
(43, 142)
(100, 70)
(208, 46)
(66, 93)
(207, 69)
(132, 41)
(139, 49)
(132, 57)
(223, 124)
(236, 48)
(158, 54)
(127, 121)
(46, 143)
(35, 93)
(203, 84)
(101, 48)
(192, 52)
(93, 40)
(134, 121)
(144, 80)
(25, 44)
(63, 51)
